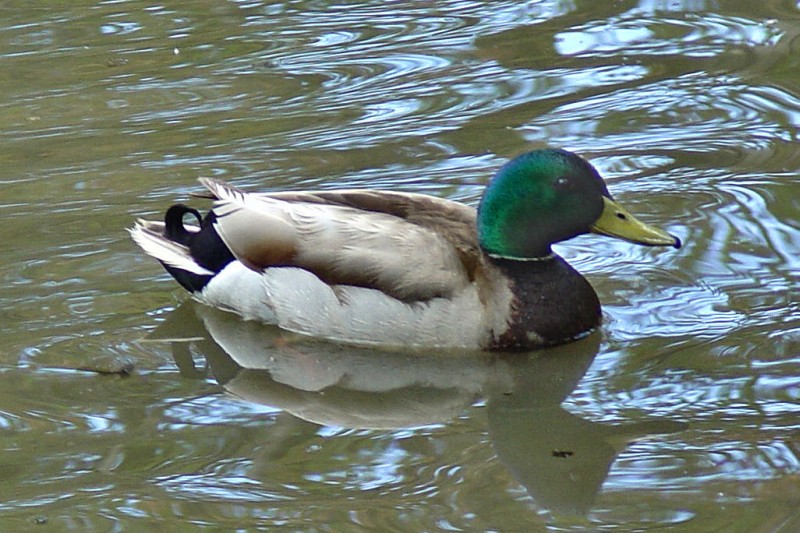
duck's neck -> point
(552, 303)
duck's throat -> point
(552, 304)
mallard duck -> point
(387, 268)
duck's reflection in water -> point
(561, 459)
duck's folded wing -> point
(413, 247)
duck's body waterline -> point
(401, 269)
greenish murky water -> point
(680, 415)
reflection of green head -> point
(537, 199)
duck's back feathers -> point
(409, 246)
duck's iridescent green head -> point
(546, 196)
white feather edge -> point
(170, 253)
(226, 193)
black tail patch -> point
(173, 220)
(206, 246)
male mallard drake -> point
(402, 269)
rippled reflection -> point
(563, 466)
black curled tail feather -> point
(205, 246)
(173, 223)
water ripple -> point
(694, 112)
(693, 35)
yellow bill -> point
(616, 221)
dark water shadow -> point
(560, 458)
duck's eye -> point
(564, 184)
